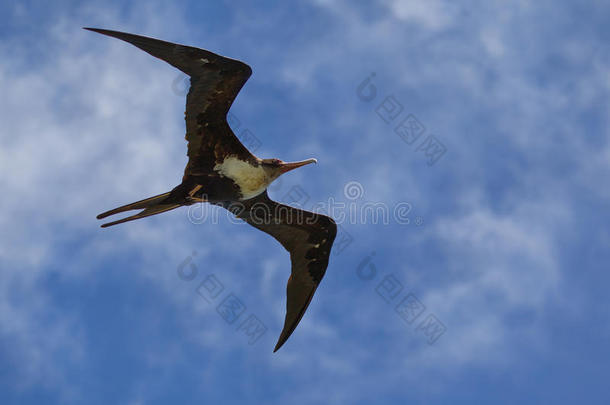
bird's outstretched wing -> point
(215, 82)
(307, 236)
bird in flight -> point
(222, 171)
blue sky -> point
(505, 250)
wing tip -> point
(110, 33)
(279, 344)
(93, 29)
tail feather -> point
(147, 202)
(153, 210)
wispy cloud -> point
(90, 123)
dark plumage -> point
(223, 172)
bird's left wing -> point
(215, 82)
(307, 236)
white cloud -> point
(433, 14)
(83, 130)
(97, 126)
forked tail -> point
(150, 206)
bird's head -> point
(276, 167)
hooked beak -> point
(286, 167)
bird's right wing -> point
(215, 82)
(307, 236)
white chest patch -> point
(252, 180)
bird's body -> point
(250, 179)
(223, 172)
(232, 180)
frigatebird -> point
(222, 171)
